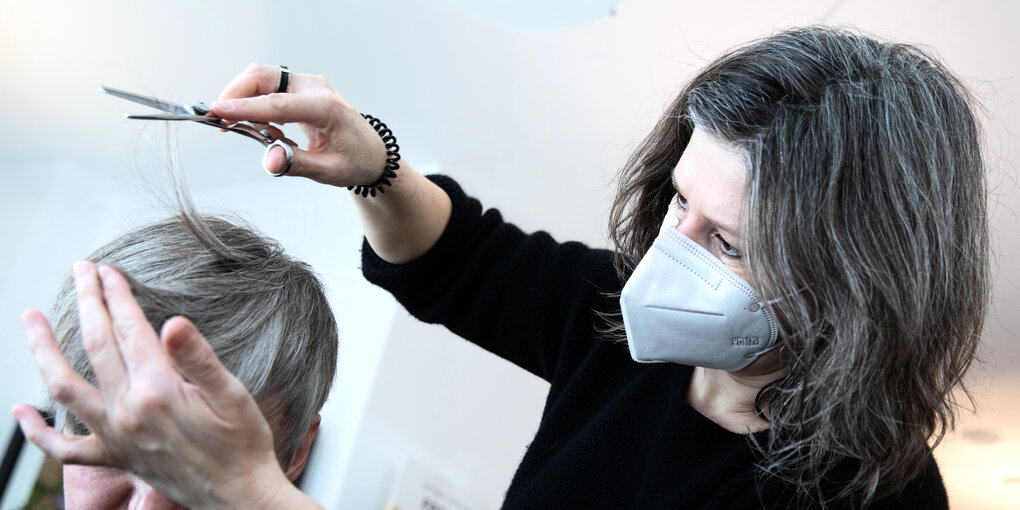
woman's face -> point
(709, 181)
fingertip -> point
(222, 106)
(24, 414)
(104, 273)
(31, 319)
(175, 333)
(37, 328)
(229, 110)
(83, 268)
(176, 324)
(109, 276)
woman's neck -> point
(727, 398)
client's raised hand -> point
(343, 149)
(165, 409)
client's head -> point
(264, 314)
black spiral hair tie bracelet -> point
(392, 157)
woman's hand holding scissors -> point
(343, 149)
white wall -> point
(532, 113)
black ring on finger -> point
(284, 80)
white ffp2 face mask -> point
(682, 305)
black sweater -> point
(614, 433)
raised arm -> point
(343, 150)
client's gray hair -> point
(264, 313)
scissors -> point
(198, 112)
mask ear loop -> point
(287, 150)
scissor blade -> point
(166, 106)
(170, 116)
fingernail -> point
(29, 320)
(104, 273)
(82, 269)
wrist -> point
(390, 164)
(288, 496)
(405, 222)
(267, 488)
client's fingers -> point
(65, 449)
(139, 347)
(62, 382)
(195, 359)
(96, 330)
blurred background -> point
(531, 105)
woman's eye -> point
(728, 249)
(681, 202)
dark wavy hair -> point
(866, 235)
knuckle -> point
(61, 390)
(68, 452)
(201, 367)
(278, 102)
(35, 436)
(267, 71)
(150, 402)
(252, 67)
(237, 394)
(239, 398)
(87, 291)
(128, 328)
(93, 338)
(330, 100)
(128, 422)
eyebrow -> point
(726, 229)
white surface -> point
(420, 485)
(449, 404)
(533, 121)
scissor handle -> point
(263, 138)
(287, 150)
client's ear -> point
(297, 462)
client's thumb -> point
(193, 356)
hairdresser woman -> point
(803, 244)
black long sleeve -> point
(516, 295)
